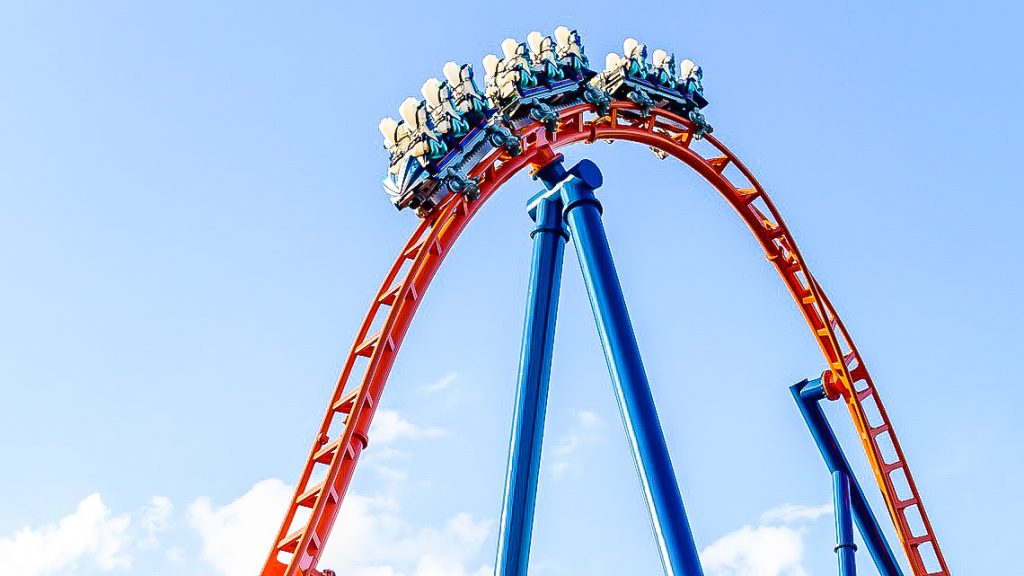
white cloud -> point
(792, 513)
(389, 426)
(760, 551)
(372, 536)
(174, 554)
(772, 548)
(585, 430)
(237, 536)
(588, 419)
(91, 534)
(154, 519)
(441, 383)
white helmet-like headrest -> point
(612, 61)
(562, 34)
(408, 111)
(452, 73)
(629, 45)
(490, 66)
(659, 57)
(387, 128)
(686, 68)
(431, 91)
(534, 39)
(508, 47)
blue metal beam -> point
(671, 528)
(845, 547)
(549, 238)
(807, 394)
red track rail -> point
(343, 432)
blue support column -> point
(650, 452)
(807, 395)
(549, 238)
(845, 547)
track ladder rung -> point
(308, 498)
(890, 467)
(367, 346)
(718, 163)
(427, 242)
(683, 138)
(918, 540)
(748, 195)
(388, 299)
(873, 432)
(391, 296)
(347, 402)
(832, 328)
(290, 543)
(903, 504)
(325, 454)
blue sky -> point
(192, 226)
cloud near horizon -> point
(371, 538)
(90, 536)
(774, 547)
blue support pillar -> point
(845, 547)
(807, 395)
(549, 238)
(636, 404)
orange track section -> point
(343, 432)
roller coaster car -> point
(632, 78)
(422, 185)
(549, 93)
(539, 75)
(436, 139)
(440, 138)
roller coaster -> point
(450, 153)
